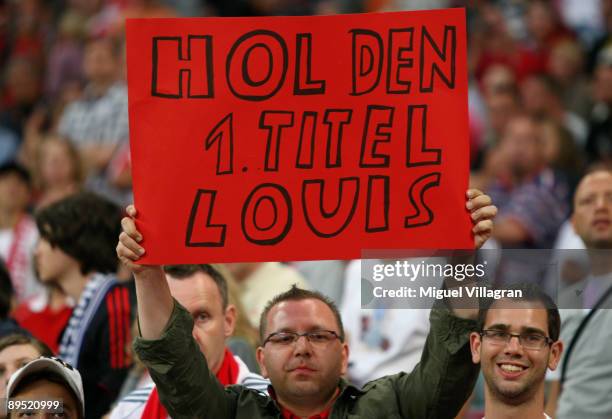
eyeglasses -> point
(527, 340)
(317, 337)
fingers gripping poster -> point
(296, 138)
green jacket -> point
(437, 388)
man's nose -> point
(513, 345)
(302, 345)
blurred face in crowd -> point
(11, 359)
(100, 64)
(520, 147)
(14, 193)
(565, 60)
(535, 96)
(498, 79)
(212, 324)
(540, 20)
(57, 166)
(501, 108)
(513, 373)
(303, 369)
(49, 390)
(52, 263)
(592, 218)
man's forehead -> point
(597, 180)
(199, 286)
(300, 314)
(518, 314)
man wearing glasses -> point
(303, 353)
(517, 342)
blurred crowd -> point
(540, 106)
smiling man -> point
(517, 343)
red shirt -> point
(288, 414)
(43, 323)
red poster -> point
(296, 138)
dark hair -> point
(532, 293)
(21, 339)
(14, 168)
(84, 226)
(6, 291)
(185, 271)
(299, 294)
(47, 376)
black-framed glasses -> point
(534, 341)
(316, 337)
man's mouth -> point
(511, 370)
(601, 223)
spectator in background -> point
(76, 252)
(97, 124)
(21, 93)
(49, 378)
(514, 370)
(203, 291)
(58, 170)
(599, 143)
(532, 200)
(493, 44)
(16, 350)
(560, 151)
(18, 233)
(541, 97)
(585, 382)
(258, 283)
(565, 66)
(545, 28)
(66, 54)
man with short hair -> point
(514, 369)
(203, 291)
(49, 380)
(75, 251)
(584, 380)
(303, 353)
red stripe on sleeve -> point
(120, 328)
(112, 325)
(128, 335)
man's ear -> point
(556, 349)
(259, 354)
(345, 358)
(475, 343)
(229, 320)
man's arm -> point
(443, 380)
(155, 302)
(441, 383)
(167, 348)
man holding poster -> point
(303, 138)
(305, 373)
